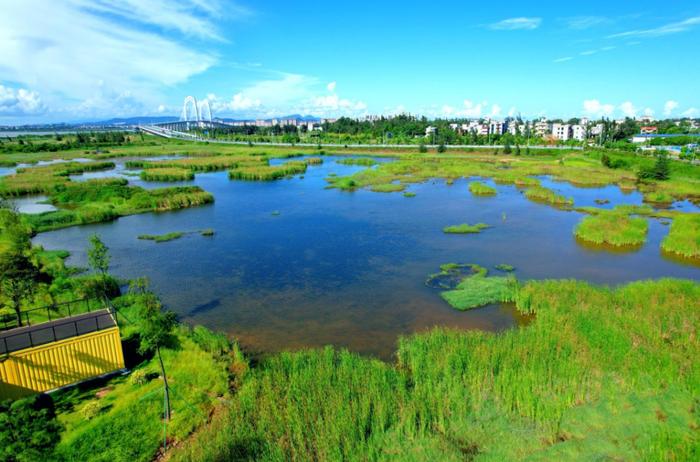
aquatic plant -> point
(505, 267)
(364, 161)
(43, 179)
(479, 290)
(547, 196)
(167, 174)
(465, 228)
(613, 228)
(267, 172)
(313, 161)
(683, 237)
(409, 194)
(388, 187)
(481, 189)
(610, 372)
(162, 237)
(208, 232)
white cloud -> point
(564, 59)
(649, 112)
(593, 107)
(469, 109)
(495, 110)
(667, 29)
(585, 22)
(521, 23)
(692, 112)
(16, 102)
(512, 112)
(628, 109)
(669, 107)
(331, 86)
(79, 50)
(588, 52)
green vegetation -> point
(208, 232)
(480, 189)
(203, 163)
(167, 174)
(388, 187)
(364, 161)
(28, 429)
(409, 194)
(547, 196)
(44, 179)
(465, 228)
(96, 201)
(615, 228)
(313, 161)
(267, 172)
(597, 372)
(505, 268)
(683, 237)
(474, 288)
(162, 237)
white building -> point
(495, 127)
(430, 130)
(578, 132)
(561, 132)
(542, 128)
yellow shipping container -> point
(57, 364)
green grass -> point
(208, 232)
(596, 374)
(364, 161)
(612, 228)
(97, 201)
(465, 228)
(267, 172)
(683, 237)
(409, 194)
(388, 187)
(505, 268)
(124, 423)
(547, 196)
(167, 174)
(313, 161)
(44, 179)
(161, 237)
(481, 189)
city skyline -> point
(82, 60)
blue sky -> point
(93, 59)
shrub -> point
(29, 430)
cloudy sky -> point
(73, 60)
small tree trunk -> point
(165, 383)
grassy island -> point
(481, 189)
(267, 172)
(167, 174)
(547, 196)
(613, 228)
(683, 237)
(465, 228)
(161, 237)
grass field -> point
(596, 374)
(683, 238)
(613, 228)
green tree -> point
(29, 430)
(605, 160)
(422, 148)
(98, 259)
(507, 149)
(156, 332)
(517, 149)
(441, 148)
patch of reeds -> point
(267, 172)
(363, 161)
(465, 228)
(162, 237)
(683, 237)
(613, 228)
(547, 196)
(481, 189)
(167, 174)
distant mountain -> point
(135, 120)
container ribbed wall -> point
(61, 363)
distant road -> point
(172, 134)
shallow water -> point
(349, 269)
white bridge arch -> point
(193, 111)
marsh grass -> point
(43, 179)
(102, 200)
(481, 189)
(465, 228)
(363, 161)
(167, 174)
(409, 194)
(683, 237)
(202, 163)
(547, 196)
(609, 373)
(162, 237)
(267, 172)
(208, 232)
(614, 228)
(313, 161)
(388, 187)
(505, 268)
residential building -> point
(578, 132)
(542, 128)
(648, 130)
(561, 132)
(495, 127)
